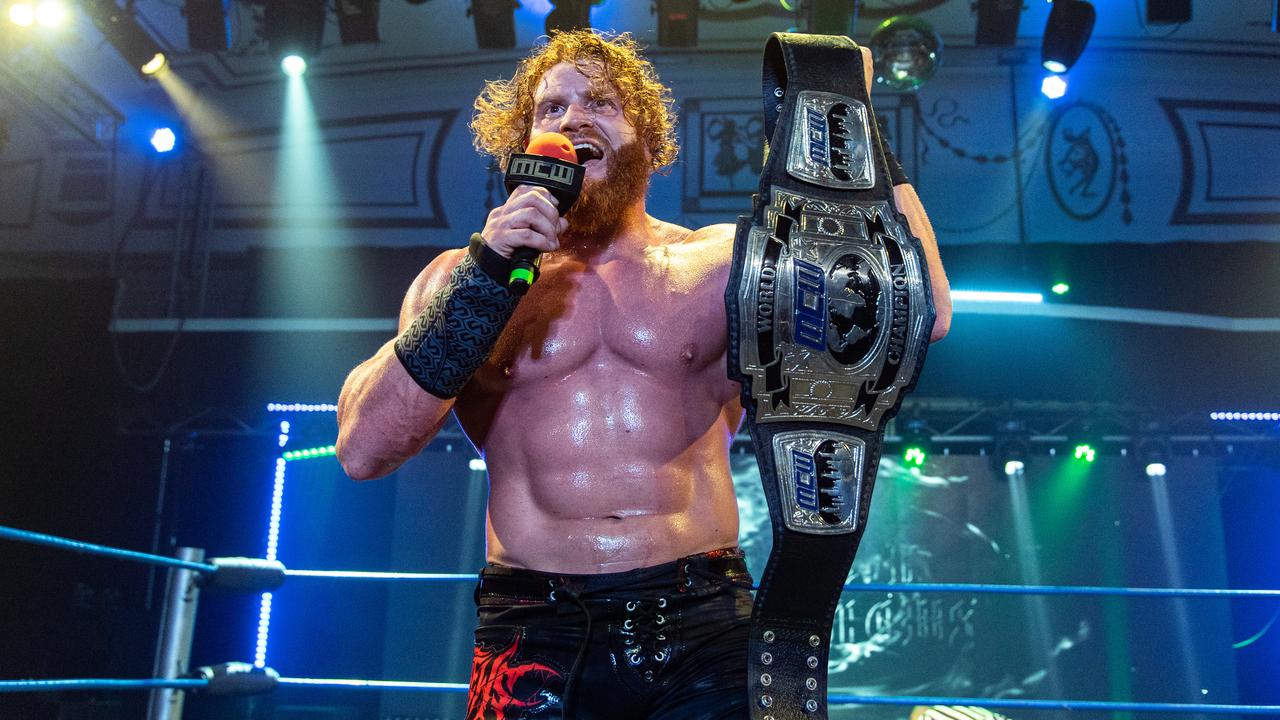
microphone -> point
(548, 162)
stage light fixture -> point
(206, 25)
(164, 140)
(678, 23)
(154, 65)
(568, 15)
(1012, 446)
(1066, 33)
(1085, 452)
(358, 21)
(495, 23)
(832, 17)
(122, 30)
(1053, 86)
(476, 465)
(293, 65)
(998, 22)
(51, 13)
(915, 442)
(1152, 448)
(1168, 12)
(22, 14)
(1061, 288)
(294, 27)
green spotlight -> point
(1061, 288)
(914, 456)
(293, 65)
(1085, 452)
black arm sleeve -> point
(454, 335)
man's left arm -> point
(908, 202)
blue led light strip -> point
(1267, 416)
(277, 507)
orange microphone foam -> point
(553, 145)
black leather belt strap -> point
(829, 315)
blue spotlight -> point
(1054, 86)
(163, 140)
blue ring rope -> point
(9, 686)
(102, 550)
(833, 698)
(1083, 705)
(93, 549)
(1058, 590)
(398, 685)
(856, 587)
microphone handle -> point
(524, 269)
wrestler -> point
(600, 402)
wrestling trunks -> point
(663, 642)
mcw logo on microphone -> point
(537, 168)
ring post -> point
(173, 646)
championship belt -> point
(829, 317)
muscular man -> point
(601, 405)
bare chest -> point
(663, 321)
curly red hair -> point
(504, 110)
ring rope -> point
(1059, 590)
(402, 685)
(372, 575)
(833, 698)
(1082, 705)
(860, 587)
(9, 533)
(980, 588)
(11, 686)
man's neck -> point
(633, 235)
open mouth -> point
(587, 151)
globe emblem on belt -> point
(853, 308)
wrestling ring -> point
(190, 573)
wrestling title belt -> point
(829, 317)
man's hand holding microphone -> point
(543, 182)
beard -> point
(600, 209)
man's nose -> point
(575, 117)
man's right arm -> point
(393, 403)
(384, 417)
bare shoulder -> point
(429, 282)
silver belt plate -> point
(832, 311)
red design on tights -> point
(504, 688)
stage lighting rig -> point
(677, 23)
(1152, 448)
(294, 27)
(119, 26)
(915, 442)
(569, 15)
(495, 23)
(1012, 447)
(1066, 33)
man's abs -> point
(603, 472)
